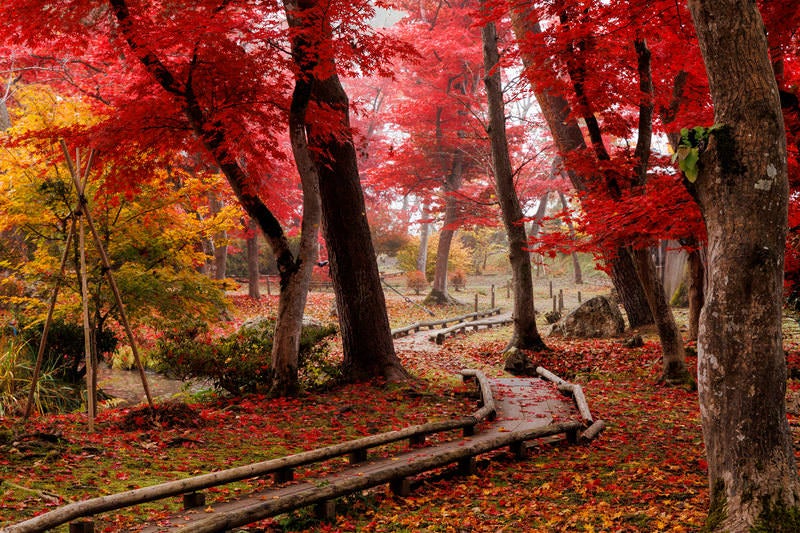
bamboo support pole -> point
(49, 320)
(107, 267)
(87, 337)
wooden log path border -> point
(393, 470)
(431, 324)
(461, 327)
(593, 427)
(282, 468)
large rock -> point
(595, 318)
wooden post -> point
(555, 304)
(508, 289)
(79, 186)
(519, 449)
(467, 466)
(492, 306)
(560, 299)
(193, 500)
(551, 289)
(87, 334)
(326, 510)
(81, 526)
(476, 302)
(49, 320)
(283, 475)
(401, 487)
(417, 440)
(358, 456)
(579, 296)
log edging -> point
(592, 427)
(282, 466)
(463, 326)
(430, 324)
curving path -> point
(513, 413)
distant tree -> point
(526, 335)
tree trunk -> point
(220, 239)
(742, 189)
(253, 290)
(366, 337)
(294, 288)
(214, 139)
(525, 335)
(425, 230)
(439, 294)
(629, 288)
(568, 138)
(696, 295)
(673, 354)
(576, 265)
(5, 120)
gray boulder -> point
(595, 318)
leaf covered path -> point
(526, 408)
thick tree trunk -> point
(629, 289)
(568, 138)
(742, 189)
(366, 337)
(525, 335)
(253, 290)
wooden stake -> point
(43, 342)
(107, 267)
(87, 336)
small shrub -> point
(416, 281)
(240, 362)
(458, 280)
(64, 352)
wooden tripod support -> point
(83, 215)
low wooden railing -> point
(417, 326)
(281, 468)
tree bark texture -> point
(425, 230)
(673, 355)
(696, 294)
(366, 337)
(525, 335)
(568, 138)
(742, 189)
(439, 294)
(253, 290)
(220, 240)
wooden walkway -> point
(526, 409)
(513, 413)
